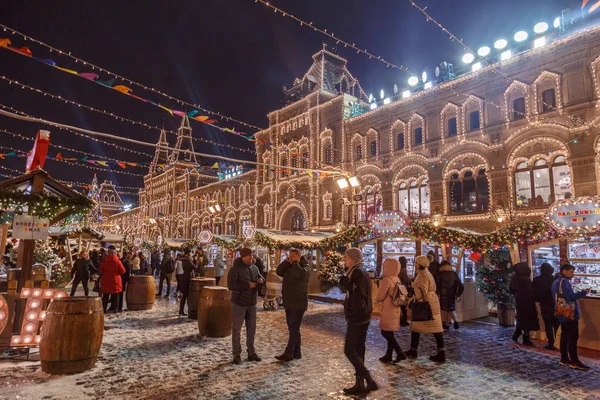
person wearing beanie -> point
(357, 309)
(542, 290)
(424, 286)
(243, 281)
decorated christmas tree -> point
(43, 254)
(493, 277)
(331, 269)
(95, 215)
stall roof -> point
(176, 243)
(302, 236)
(72, 231)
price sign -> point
(388, 222)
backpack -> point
(399, 295)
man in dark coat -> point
(262, 270)
(520, 287)
(167, 267)
(81, 272)
(406, 281)
(124, 278)
(184, 281)
(357, 309)
(542, 289)
(448, 287)
(434, 265)
(295, 271)
(243, 281)
(155, 262)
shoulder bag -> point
(421, 310)
(564, 308)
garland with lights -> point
(42, 204)
(331, 269)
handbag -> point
(421, 310)
(564, 308)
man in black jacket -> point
(167, 267)
(243, 281)
(184, 283)
(295, 272)
(542, 290)
(357, 308)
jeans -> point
(294, 320)
(240, 314)
(392, 343)
(184, 285)
(160, 284)
(113, 301)
(568, 340)
(121, 295)
(416, 336)
(551, 324)
(84, 283)
(354, 348)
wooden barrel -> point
(141, 291)
(196, 285)
(214, 312)
(71, 335)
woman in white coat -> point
(389, 321)
(424, 285)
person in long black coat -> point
(522, 289)
(448, 287)
(542, 289)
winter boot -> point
(412, 354)
(399, 357)
(456, 325)
(387, 358)
(440, 357)
(359, 386)
(527, 341)
(516, 336)
(371, 384)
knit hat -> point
(422, 261)
(355, 254)
(245, 252)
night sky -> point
(231, 56)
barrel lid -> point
(215, 288)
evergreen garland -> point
(331, 269)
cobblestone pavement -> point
(156, 355)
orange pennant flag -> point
(132, 164)
(58, 157)
(5, 42)
(122, 89)
(121, 164)
(201, 118)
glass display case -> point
(546, 254)
(214, 251)
(396, 247)
(461, 262)
(370, 257)
(584, 255)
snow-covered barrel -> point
(141, 292)
(214, 312)
(71, 335)
(196, 285)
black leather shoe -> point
(254, 357)
(284, 357)
(359, 386)
(412, 354)
(237, 359)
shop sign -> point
(205, 236)
(577, 214)
(30, 227)
(388, 222)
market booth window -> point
(540, 184)
(469, 193)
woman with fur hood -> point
(389, 321)
(424, 286)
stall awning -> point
(75, 232)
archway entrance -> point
(293, 220)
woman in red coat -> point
(111, 270)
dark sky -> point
(231, 56)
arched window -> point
(359, 154)
(452, 127)
(284, 169)
(328, 155)
(548, 100)
(540, 184)
(373, 147)
(518, 108)
(305, 160)
(295, 164)
(400, 141)
(413, 198)
(469, 193)
(418, 135)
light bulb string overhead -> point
(130, 81)
(332, 36)
(162, 147)
(118, 117)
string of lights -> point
(115, 116)
(130, 81)
(116, 146)
(331, 35)
(139, 142)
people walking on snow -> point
(82, 269)
(167, 267)
(295, 272)
(527, 318)
(219, 268)
(357, 309)
(243, 281)
(126, 261)
(449, 287)
(567, 312)
(155, 263)
(542, 290)
(185, 264)
(424, 287)
(111, 285)
(407, 282)
(389, 320)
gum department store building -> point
(505, 140)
